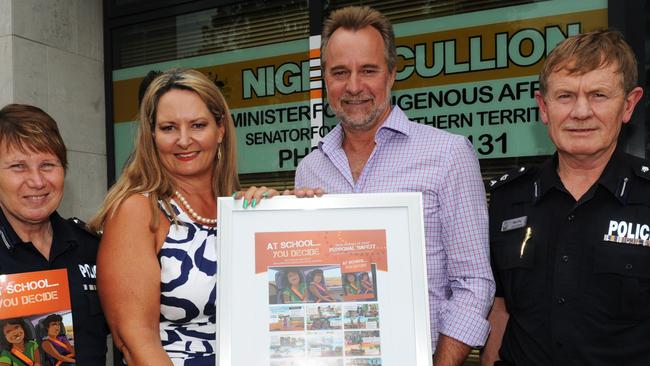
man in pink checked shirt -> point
(375, 148)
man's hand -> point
(498, 319)
(307, 192)
(450, 352)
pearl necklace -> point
(195, 216)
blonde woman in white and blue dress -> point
(156, 266)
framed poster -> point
(338, 280)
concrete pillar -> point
(51, 56)
(6, 61)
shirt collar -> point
(62, 233)
(547, 178)
(8, 236)
(612, 178)
(397, 122)
(616, 175)
(64, 236)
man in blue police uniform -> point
(570, 239)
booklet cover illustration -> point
(36, 319)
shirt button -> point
(565, 258)
(561, 300)
(571, 217)
(628, 266)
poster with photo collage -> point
(338, 280)
(323, 306)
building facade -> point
(466, 66)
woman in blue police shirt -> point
(33, 237)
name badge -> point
(515, 223)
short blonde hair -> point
(589, 51)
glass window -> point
(258, 52)
(226, 28)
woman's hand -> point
(254, 195)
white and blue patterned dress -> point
(188, 268)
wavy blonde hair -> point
(145, 173)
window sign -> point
(473, 74)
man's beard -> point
(364, 122)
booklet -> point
(36, 318)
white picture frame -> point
(257, 327)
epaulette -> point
(507, 177)
(82, 225)
(643, 170)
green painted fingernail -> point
(245, 203)
(234, 195)
(253, 203)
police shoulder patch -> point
(643, 170)
(78, 223)
(507, 177)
